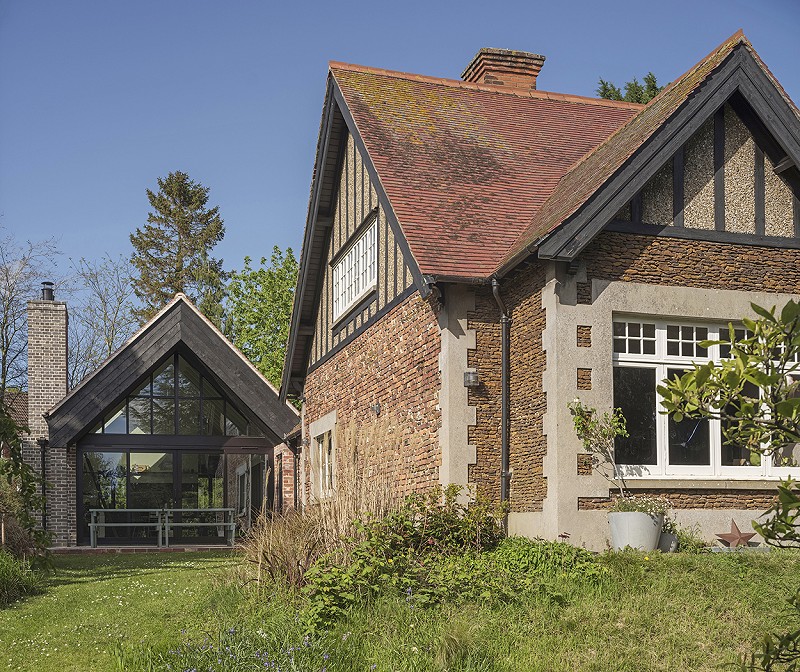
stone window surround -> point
(612, 299)
(316, 429)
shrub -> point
(17, 579)
(367, 457)
(18, 541)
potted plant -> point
(636, 522)
(597, 433)
(668, 541)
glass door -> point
(105, 486)
(151, 486)
(202, 486)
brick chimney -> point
(47, 385)
(503, 67)
(47, 357)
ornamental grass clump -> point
(368, 460)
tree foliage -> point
(22, 478)
(259, 310)
(172, 252)
(23, 265)
(634, 90)
(102, 313)
(755, 393)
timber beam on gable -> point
(740, 81)
(337, 123)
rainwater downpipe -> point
(505, 334)
(42, 445)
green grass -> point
(94, 601)
(675, 612)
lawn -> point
(651, 612)
(95, 601)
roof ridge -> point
(458, 83)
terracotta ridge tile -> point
(512, 91)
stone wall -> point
(521, 293)
(391, 372)
(700, 498)
(692, 263)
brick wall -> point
(47, 385)
(527, 441)
(394, 363)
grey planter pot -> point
(668, 542)
(634, 529)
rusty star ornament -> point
(735, 537)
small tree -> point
(260, 310)
(598, 434)
(23, 265)
(755, 393)
(24, 480)
(102, 315)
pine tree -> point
(172, 251)
(635, 91)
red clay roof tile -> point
(466, 166)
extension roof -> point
(179, 325)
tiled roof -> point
(466, 166)
(597, 166)
(17, 404)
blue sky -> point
(101, 98)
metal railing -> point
(163, 522)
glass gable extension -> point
(176, 399)
(176, 443)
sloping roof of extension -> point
(178, 325)
(467, 166)
(598, 165)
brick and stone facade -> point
(394, 364)
(47, 385)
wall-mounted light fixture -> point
(471, 379)
(376, 408)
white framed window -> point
(356, 274)
(648, 351)
(325, 464)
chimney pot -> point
(47, 291)
(504, 67)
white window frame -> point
(355, 274)
(662, 362)
(325, 463)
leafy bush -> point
(17, 579)
(395, 553)
(439, 550)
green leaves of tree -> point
(260, 309)
(635, 91)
